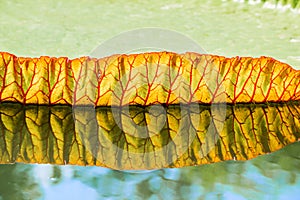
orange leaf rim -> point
(146, 79)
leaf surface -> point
(146, 79)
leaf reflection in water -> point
(62, 135)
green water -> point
(75, 28)
(227, 28)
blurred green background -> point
(229, 28)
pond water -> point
(221, 27)
(274, 176)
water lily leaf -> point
(146, 79)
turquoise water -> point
(225, 28)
